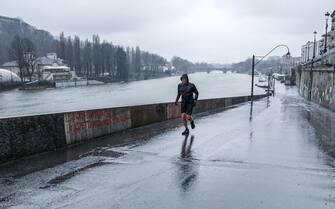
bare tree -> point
(96, 55)
(77, 54)
(29, 56)
(122, 64)
(87, 58)
(30, 60)
(16, 52)
(61, 46)
(137, 61)
(69, 53)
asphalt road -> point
(277, 154)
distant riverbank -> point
(8, 86)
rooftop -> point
(10, 64)
(45, 60)
(62, 67)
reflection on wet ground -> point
(186, 148)
(187, 165)
(323, 123)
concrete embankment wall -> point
(317, 84)
(23, 136)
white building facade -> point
(48, 67)
(309, 50)
(331, 41)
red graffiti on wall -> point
(79, 121)
(173, 111)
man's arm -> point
(195, 90)
(178, 96)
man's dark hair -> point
(184, 76)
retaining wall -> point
(22, 136)
(317, 85)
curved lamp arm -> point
(280, 45)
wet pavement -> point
(275, 153)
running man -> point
(187, 91)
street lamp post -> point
(326, 36)
(288, 54)
(314, 46)
(308, 46)
(252, 75)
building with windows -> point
(308, 48)
(56, 73)
(50, 59)
(307, 51)
(330, 36)
(48, 67)
(331, 40)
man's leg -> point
(189, 112)
(190, 118)
(184, 119)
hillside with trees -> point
(10, 27)
(89, 58)
(264, 67)
(185, 66)
(103, 59)
(93, 58)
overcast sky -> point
(221, 31)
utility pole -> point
(252, 76)
(314, 46)
(305, 54)
(269, 77)
(326, 36)
(308, 46)
(312, 66)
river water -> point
(212, 85)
